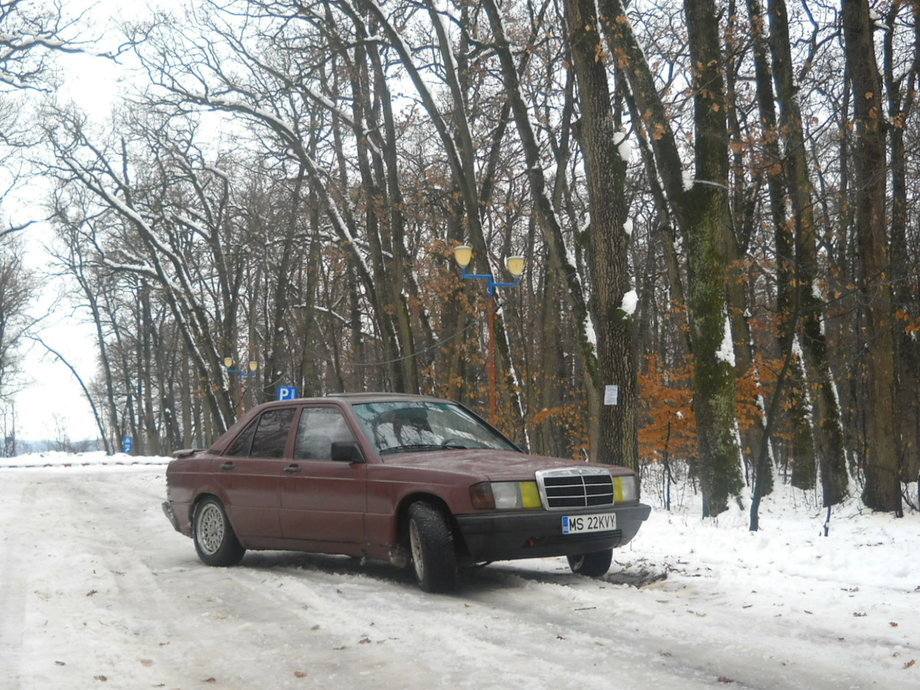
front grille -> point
(575, 487)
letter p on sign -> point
(288, 392)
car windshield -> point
(404, 426)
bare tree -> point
(701, 211)
(609, 240)
(153, 240)
(882, 490)
(17, 290)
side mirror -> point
(347, 451)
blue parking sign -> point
(288, 392)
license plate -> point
(580, 524)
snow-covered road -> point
(97, 590)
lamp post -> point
(515, 265)
(253, 366)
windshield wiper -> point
(416, 447)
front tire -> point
(431, 544)
(592, 564)
(214, 538)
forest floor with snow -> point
(98, 591)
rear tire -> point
(592, 564)
(431, 544)
(214, 538)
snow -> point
(816, 290)
(630, 300)
(625, 147)
(726, 351)
(97, 590)
(590, 333)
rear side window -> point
(266, 437)
(242, 444)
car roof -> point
(381, 397)
(349, 399)
(342, 400)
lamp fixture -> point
(516, 265)
(463, 254)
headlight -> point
(505, 495)
(626, 488)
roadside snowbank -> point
(92, 459)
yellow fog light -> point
(530, 495)
(626, 488)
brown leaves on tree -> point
(668, 423)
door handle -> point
(228, 466)
(291, 469)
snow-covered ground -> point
(97, 590)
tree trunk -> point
(741, 216)
(827, 425)
(617, 440)
(883, 488)
(544, 208)
(702, 215)
(901, 94)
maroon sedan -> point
(409, 479)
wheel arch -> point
(205, 494)
(402, 519)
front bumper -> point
(537, 534)
(171, 515)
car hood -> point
(487, 464)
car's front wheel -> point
(214, 538)
(592, 564)
(431, 545)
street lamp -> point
(253, 366)
(515, 265)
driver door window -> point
(318, 429)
